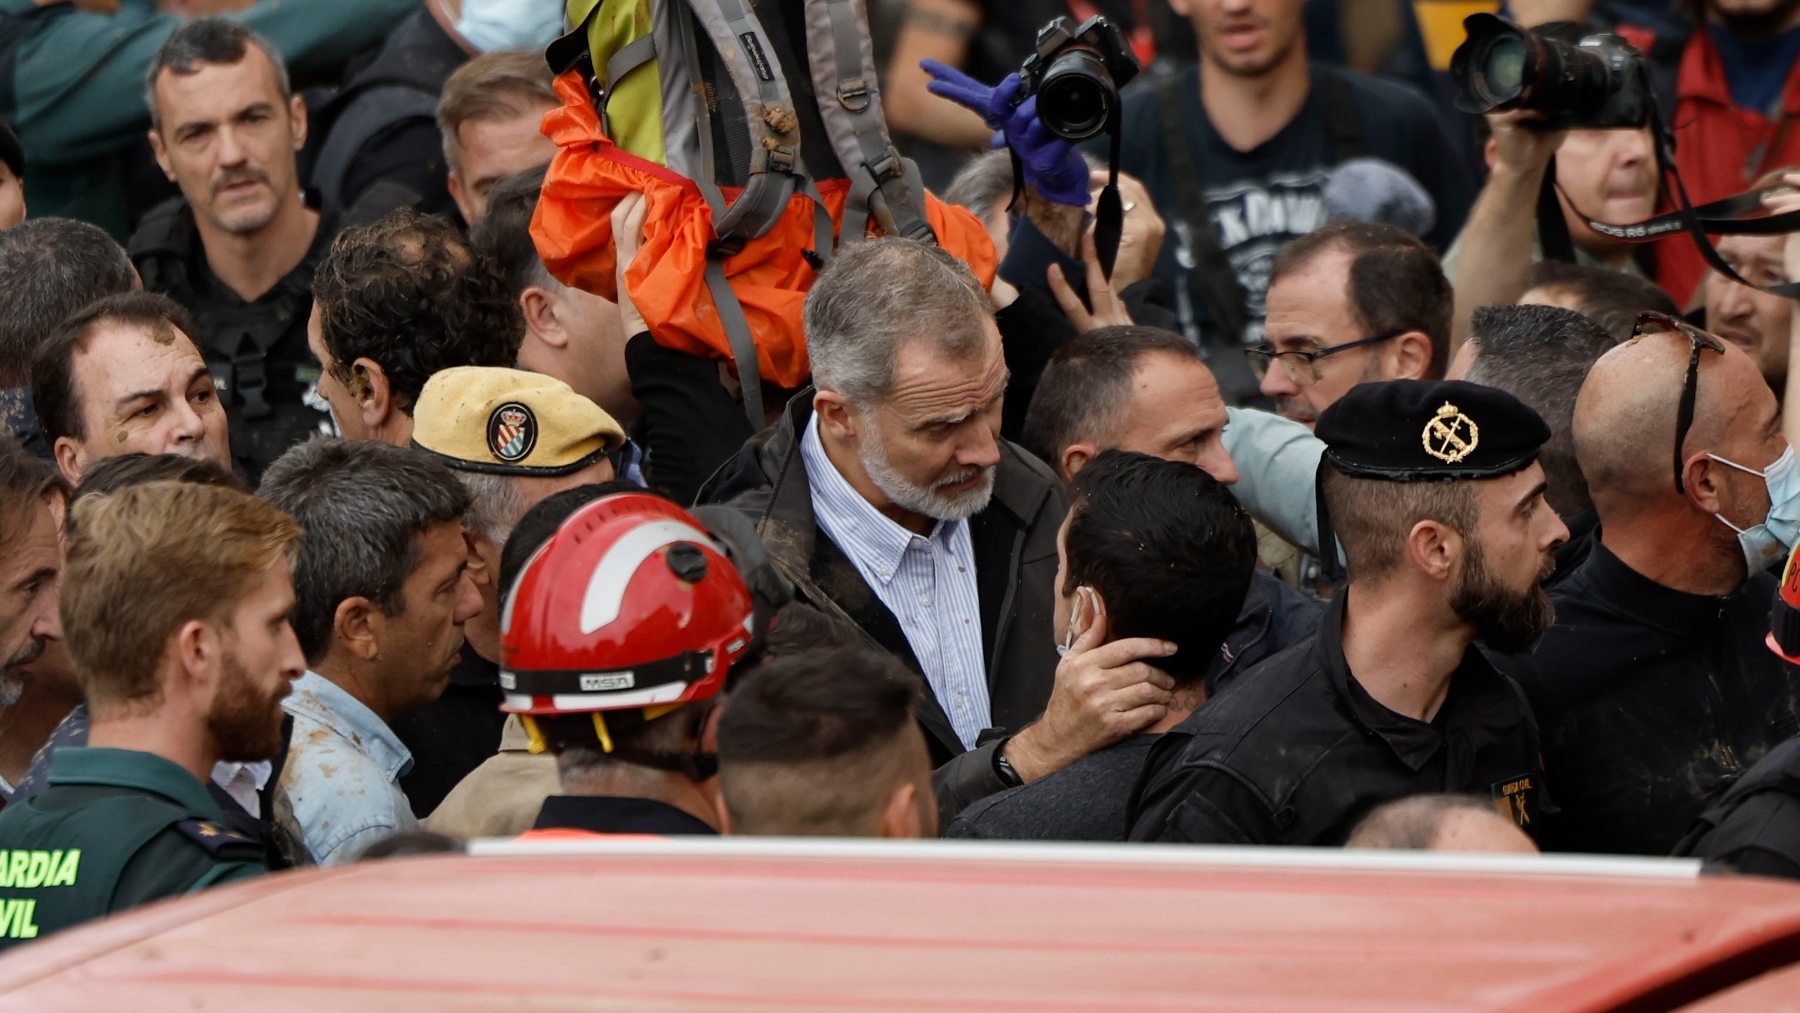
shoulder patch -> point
(214, 837)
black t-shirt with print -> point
(1260, 199)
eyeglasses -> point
(1652, 322)
(1303, 367)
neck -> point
(360, 679)
(251, 264)
(630, 781)
(1679, 553)
(1754, 32)
(1247, 111)
(1397, 652)
(1182, 706)
(27, 724)
(185, 744)
(849, 464)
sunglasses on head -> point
(1652, 322)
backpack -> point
(759, 146)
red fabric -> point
(573, 231)
(1714, 142)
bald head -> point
(1626, 415)
(1440, 823)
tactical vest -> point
(1777, 773)
(62, 871)
(399, 87)
(257, 351)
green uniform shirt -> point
(116, 828)
(75, 91)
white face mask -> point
(1766, 543)
(493, 25)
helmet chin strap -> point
(696, 764)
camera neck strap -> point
(1109, 213)
(1720, 217)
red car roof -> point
(799, 925)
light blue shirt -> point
(927, 582)
(340, 788)
(1278, 473)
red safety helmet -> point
(1784, 615)
(630, 607)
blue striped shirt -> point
(927, 582)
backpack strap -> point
(750, 60)
(849, 99)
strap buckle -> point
(853, 94)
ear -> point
(161, 153)
(1490, 152)
(1435, 549)
(297, 120)
(374, 395)
(539, 309)
(1182, 7)
(71, 458)
(1412, 356)
(1075, 457)
(357, 624)
(900, 816)
(837, 418)
(198, 651)
(1704, 480)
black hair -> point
(1608, 297)
(1168, 549)
(50, 268)
(1396, 283)
(208, 42)
(1083, 392)
(362, 506)
(504, 233)
(1541, 355)
(53, 388)
(817, 705)
(409, 294)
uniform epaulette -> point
(214, 837)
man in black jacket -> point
(1145, 389)
(1653, 689)
(887, 496)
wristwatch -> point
(1003, 767)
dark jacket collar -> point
(1477, 693)
(612, 815)
(1605, 581)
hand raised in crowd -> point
(1522, 145)
(628, 235)
(1104, 308)
(1104, 692)
(1781, 202)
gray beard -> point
(919, 499)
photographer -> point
(1243, 170)
(1607, 174)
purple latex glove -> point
(1051, 165)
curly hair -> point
(409, 294)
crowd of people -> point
(362, 494)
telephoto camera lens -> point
(1501, 74)
(1076, 98)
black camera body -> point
(1076, 74)
(1599, 83)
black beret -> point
(11, 151)
(1414, 430)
